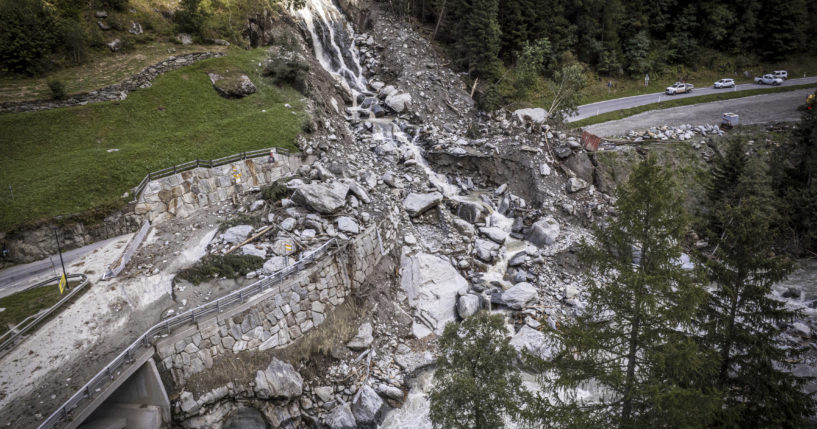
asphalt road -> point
(593, 109)
(14, 278)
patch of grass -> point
(20, 305)
(103, 68)
(620, 114)
(58, 161)
(229, 266)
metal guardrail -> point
(167, 326)
(206, 163)
(11, 337)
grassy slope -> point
(58, 161)
(620, 114)
(23, 304)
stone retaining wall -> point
(118, 91)
(282, 314)
(182, 193)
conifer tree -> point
(740, 319)
(477, 385)
(478, 39)
(633, 341)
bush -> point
(57, 89)
(28, 33)
(190, 17)
(229, 266)
(274, 192)
(293, 72)
(119, 5)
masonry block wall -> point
(282, 314)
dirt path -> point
(752, 110)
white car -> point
(768, 79)
(725, 83)
(679, 88)
(781, 74)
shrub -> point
(57, 89)
(274, 192)
(190, 17)
(229, 266)
(293, 72)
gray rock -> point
(237, 234)
(258, 204)
(463, 227)
(536, 115)
(520, 295)
(348, 225)
(390, 392)
(279, 247)
(359, 192)
(363, 339)
(101, 14)
(234, 86)
(279, 380)
(135, 28)
(221, 42)
(115, 45)
(485, 249)
(544, 169)
(324, 199)
(792, 292)
(562, 151)
(470, 211)
(251, 249)
(544, 232)
(518, 259)
(413, 361)
(801, 329)
(288, 224)
(188, 403)
(575, 184)
(184, 39)
(467, 305)
(398, 102)
(432, 285)
(581, 165)
(417, 203)
(391, 179)
(102, 26)
(276, 263)
(533, 341)
(367, 407)
(340, 418)
(571, 292)
(324, 393)
(495, 234)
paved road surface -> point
(600, 107)
(756, 109)
(14, 278)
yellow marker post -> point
(63, 283)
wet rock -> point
(467, 305)
(470, 211)
(496, 235)
(237, 234)
(324, 199)
(418, 203)
(279, 380)
(520, 295)
(340, 418)
(484, 250)
(518, 259)
(792, 292)
(432, 285)
(363, 339)
(367, 407)
(390, 392)
(544, 232)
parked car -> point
(768, 79)
(679, 88)
(781, 74)
(725, 83)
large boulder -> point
(279, 380)
(324, 199)
(533, 341)
(581, 165)
(398, 102)
(520, 295)
(276, 263)
(340, 418)
(367, 407)
(234, 85)
(496, 235)
(485, 250)
(432, 285)
(417, 203)
(544, 232)
(237, 234)
(536, 115)
(348, 225)
(467, 305)
(576, 184)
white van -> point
(781, 74)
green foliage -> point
(178, 119)
(740, 319)
(28, 34)
(190, 17)
(632, 340)
(57, 89)
(477, 39)
(240, 219)
(292, 71)
(566, 89)
(795, 181)
(477, 385)
(118, 5)
(229, 266)
(274, 192)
